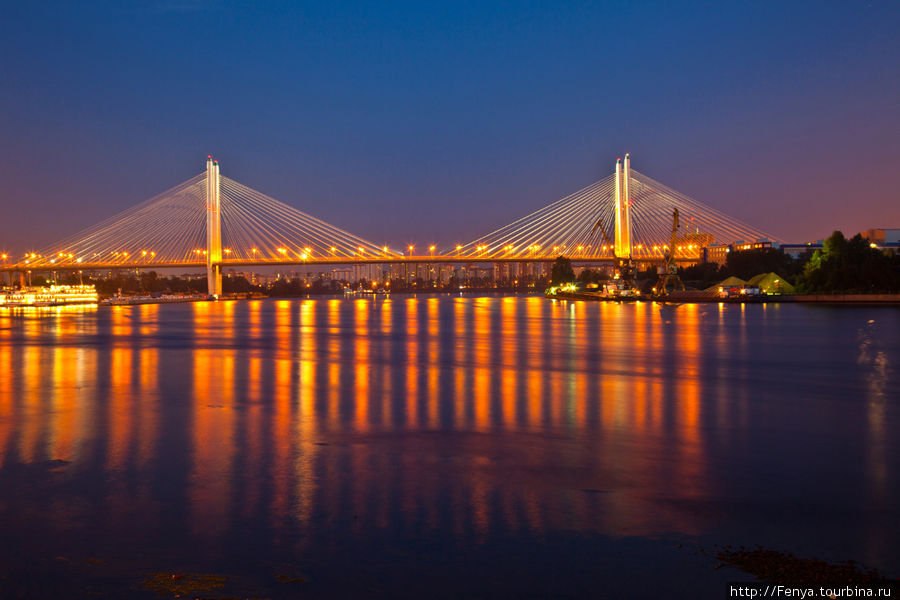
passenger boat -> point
(54, 295)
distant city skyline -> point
(456, 119)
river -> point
(443, 446)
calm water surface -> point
(442, 446)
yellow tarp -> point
(728, 282)
(771, 283)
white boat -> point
(54, 295)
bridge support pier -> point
(213, 229)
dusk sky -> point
(438, 122)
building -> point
(718, 253)
(796, 251)
(882, 236)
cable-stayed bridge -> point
(215, 222)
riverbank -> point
(711, 297)
(842, 298)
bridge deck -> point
(338, 260)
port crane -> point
(669, 270)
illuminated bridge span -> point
(213, 221)
(624, 215)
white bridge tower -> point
(623, 208)
(213, 229)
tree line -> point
(841, 266)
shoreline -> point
(688, 298)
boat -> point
(54, 295)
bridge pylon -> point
(623, 208)
(213, 229)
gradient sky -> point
(438, 122)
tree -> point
(562, 271)
(747, 263)
(704, 273)
(844, 265)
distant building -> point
(757, 245)
(796, 251)
(882, 236)
(718, 253)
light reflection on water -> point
(312, 427)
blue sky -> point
(437, 122)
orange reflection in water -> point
(461, 351)
(432, 365)
(362, 367)
(510, 346)
(412, 361)
(64, 407)
(305, 427)
(213, 449)
(282, 421)
(386, 375)
(31, 429)
(547, 399)
(483, 357)
(7, 407)
(149, 375)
